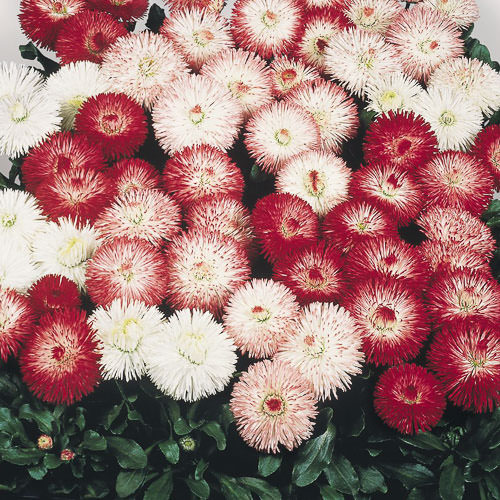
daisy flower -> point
(373, 15)
(191, 358)
(204, 269)
(59, 364)
(408, 398)
(326, 349)
(53, 292)
(127, 269)
(391, 318)
(260, 316)
(196, 110)
(124, 9)
(202, 171)
(310, 4)
(120, 329)
(133, 174)
(456, 180)
(313, 273)
(72, 85)
(466, 359)
(17, 267)
(17, 80)
(462, 12)
(272, 406)
(115, 122)
(212, 5)
(289, 73)
(487, 149)
(197, 34)
(423, 38)
(268, 27)
(283, 223)
(279, 131)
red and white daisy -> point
(373, 15)
(213, 5)
(487, 149)
(289, 73)
(133, 174)
(53, 292)
(310, 4)
(462, 12)
(123, 9)
(273, 405)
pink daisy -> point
(373, 15)
(212, 5)
(289, 73)
(124, 9)
(487, 149)
(133, 174)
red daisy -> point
(115, 122)
(408, 398)
(487, 149)
(133, 174)
(124, 9)
(52, 293)
(283, 223)
(59, 364)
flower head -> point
(487, 149)
(124, 9)
(17, 80)
(44, 442)
(133, 174)
(53, 292)
(18, 269)
(462, 12)
(373, 15)
(212, 5)
(67, 455)
(289, 73)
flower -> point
(67, 455)
(59, 364)
(289, 73)
(147, 214)
(310, 4)
(192, 357)
(456, 180)
(373, 15)
(201, 171)
(408, 398)
(17, 80)
(466, 359)
(124, 9)
(133, 174)
(212, 5)
(187, 443)
(196, 110)
(45, 442)
(391, 318)
(487, 149)
(268, 27)
(326, 349)
(402, 139)
(423, 38)
(17, 267)
(120, 330)
(279, 131)
(260, 316)
(272, 406)
(320, 178)
(462, 12)
(53, 292)
(16, 322)
(128, 269)
(204, 269)
(283, 223)
(72, 85)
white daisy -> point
(461, 12)
(18, 80)
(17, 268)
(373, 15)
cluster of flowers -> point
(97, 222)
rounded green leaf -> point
(214, 430)
(171, 450)
(451, 483)
(94, 441)
(199, 488)
(342, 476)
(128, 482)
(268, 464)
(161, 487)
(128, 453)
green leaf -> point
(21, 456)
(181, 427)
(342, 476)
(156, 17)
(94, 441)
(493, 485)
(171, 450)
(467, 32)
(451, 483)
(268, 464)
(261, 488)
(161, 487)
(366, 117)
(416, 494)
(232, 490)
(214, 430)
(425, 441)
(198, 488)
(410, 475)
(37, 472)
(29, 51)
(491, 461)
(80, 418)
(128, 453)
(128, 482)
(12, 426)
(201, 467)
(51, 461)
(257, 175)
(96, 489)
(371, 480)
(373, 452)
(330, 493)
(112, 415)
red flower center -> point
(403, 146)
(58, 7)
(290, 227)
(384, 317)
(98, 43)
(434, 45)
(315, 278)
(62, 163)
(410, 394)
(111, 124)
(388, 261)
(321, 44)
(289, 75)
(274, 404)
(368, 11)
(314, 179)
(392, 181)
(269, 18)
(309, 340)
(58, 353)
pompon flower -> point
(211, 5)
(462, 12)
(457, 227)
(115, 122)
(389, 257)
(122, 9)
(120, 330)
(203, 270)
(197, 34)
(75, 193)
(53, 292)
(354, 221)
(140, 65)
(283, 223)
(192, 357)
(87, 36)
(42, 20)
(320, 178)
(423, 38)
(408, 398)
(16, 322)
(466, 359)
(471, 77)
(456, 180)
(313, 273)
(356, 58)
(326, 349)
(72, 85)
(391, 188)
(17, 80)
(279, 131)
(64, 247)
(147, 214)
(133, 174)
(373, 15)
(224, 215)
(273, 405)
(58, 153)
(464, 294)
(391, 318)
(332, 108)
(196, 110)
(487, 149)
(260, 316)
(195, 173)
(59, 364)
(310, 4)
(268, 27)
(130, 269)
(289, 73)
(245, 74)
(402, 139)
(18, 270)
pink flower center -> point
(289, 75)
(495, 158)
(58, 7)
(196, 114)
(203, 37)
(126, 270)
(433, 45)
(239, 88)
(368, 11)
(309, 340)
(384, 318)
(260, 313)
(203, 271)
(468, 299)
(270, 18)
(283, 137)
